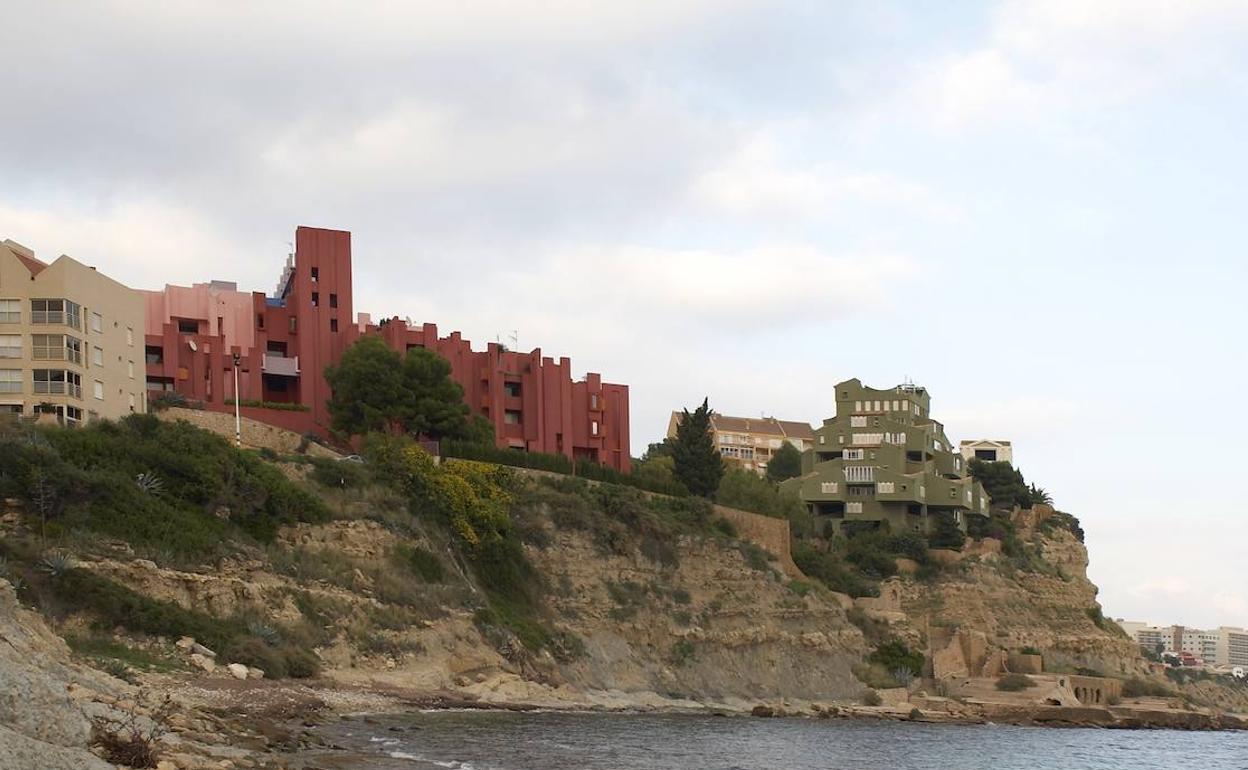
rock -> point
(144, 564)
(200, 649)
(254, 673)
(237, 670)
(185, 643)
(200, 661)
(166, 764)
(21, 753)
(762, 710)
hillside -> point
(341, 583)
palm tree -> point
(1039, 495)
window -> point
(10, 408)
(97, 322)
(55, 311)
(316, 299)
(10, 311)
(57, 382)
(97, 356)
(97, 390)
(858, 421)
(593, 401)
(821, 441)
(130, 369)
(188, 326)
(593, 431)
(10, 380)
(862, 474)
(853, 454)
(857, 406)
(73, 350)
(511, 417)
(885, 487)
(132, 402)
(333, 324)
(333, 300)
(154, 354)
(259, 320)
(130, 335)
(829, 487)
(316, 274)
(853, 507)
(10, 346)
(294, 324)
(512, 389)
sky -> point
(1033, 208)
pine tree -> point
(698, 465)
(785, 463)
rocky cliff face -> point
(41, 726)
(1054, 611)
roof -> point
(766, 425)
(26, 257)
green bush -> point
(1135, 687)
(198, 488)
(339, 474)
(831, 571)
(946, 533)
(425, 563)
(1014, 682)
(895, 655)
(280, 406)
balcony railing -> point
(59, 389)
(274, 363)
(860, 474)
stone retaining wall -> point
(256, 434)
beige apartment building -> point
(749, 442)
(988, 450)
(71, 340)
(1223, 646)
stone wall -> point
(256, 434)
(772, 535)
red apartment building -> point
(284, 343)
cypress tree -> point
(697, 463)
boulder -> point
(237, 670)
(199, 661)
(254, 673)
(200, 649)
(185, 643)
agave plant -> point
(57, 563)
(149, 482)
(18, 584)
(264, 632)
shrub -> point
(871, 698)
(339, 474)
(831, 571)
(1014, 682)
(424, 563)
(683, 652)
(895, 655)
(946, 533)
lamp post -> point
(238, 417)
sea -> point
(500, 740)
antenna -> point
(515, 339)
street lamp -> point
(238, 417)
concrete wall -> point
(772, 535)
(256, 434)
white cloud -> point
(755, 181)
(1046, 56)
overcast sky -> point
(1033, 208)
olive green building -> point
(883, 458)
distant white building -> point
(1223, 646)
(990, 450)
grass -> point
(101, 649)
(1015, 683)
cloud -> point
(755, 181)
(1048, 56)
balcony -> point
(860, 474)
(283, 366)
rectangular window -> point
(857, 406)
(294, 324)
(854, 454)
(316, 299)
(858, 421)
(333, 324)
(333, 300)
(73, 350)
(829, 487)
(188, 326)
(10, 346)
(853, 507)
(47, 347)
(97, 322)
(57, 382)
(55, 311)
(885, 487)
(10, 409)
(10, 380)
(130, 369)
(97, 356)
(593, 431)
(130, 335)
(316, 274)
(511, 417)
(154, 354)
(10, 311)
(97, 390)
(132, 402)
(512, 389)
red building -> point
(284, 343)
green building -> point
(883, 458)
